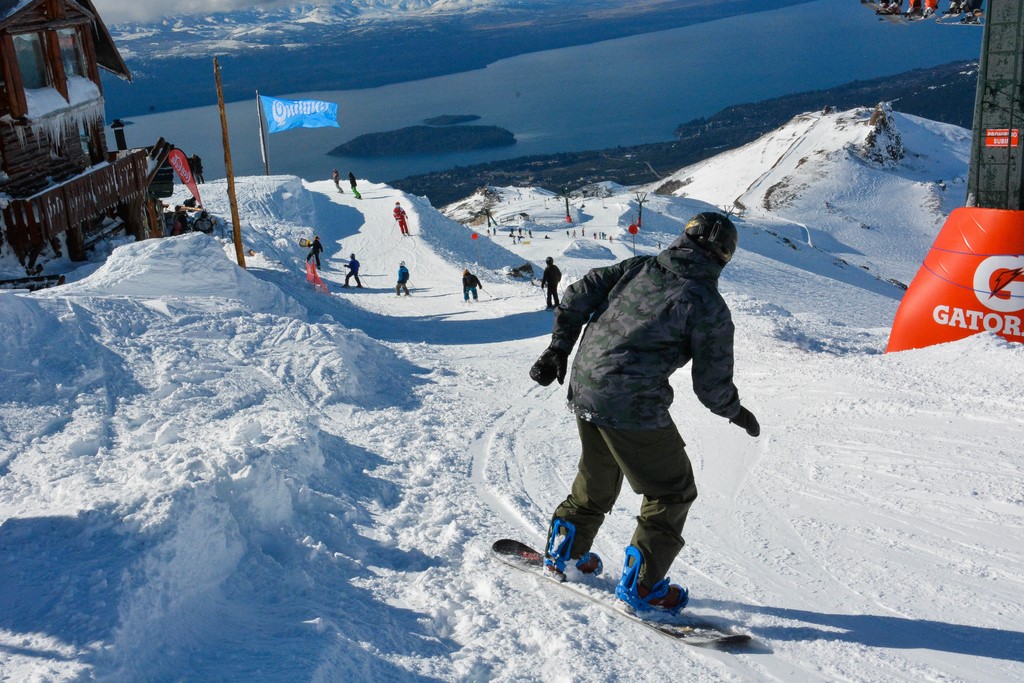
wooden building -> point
(56, 175)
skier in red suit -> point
(403, 225)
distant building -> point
(56, 175)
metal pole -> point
(263, 135)
(239, 252)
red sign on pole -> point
(1002, 137)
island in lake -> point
(450, 119)
(425, 140)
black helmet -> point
(549, 260)
(715, 233)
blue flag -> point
(285, 114)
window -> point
(85, 137)
(71, 52)
(28, 47)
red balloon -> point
(474, 236)
(633, 229)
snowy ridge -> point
(215, 474)
(825, 171)
(189, 32)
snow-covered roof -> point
(10, 8)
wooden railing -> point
(32, 221)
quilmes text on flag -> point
(285, 114)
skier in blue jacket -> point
(403, 279)
(353, 270)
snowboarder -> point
(352, 183)
(645, 317)
(403, 280)
(400, 216)
(470, 283)
(315, 250)
(353, 271)
(336, 177)
(550, 279)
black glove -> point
(747, 420)
(550, 366)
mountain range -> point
(360, 44)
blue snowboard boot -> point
(559, 549)
(663, 596)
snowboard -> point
(356, 193)
(303, 242)
(963, 20)
(686, 628)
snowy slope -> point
(871, 189)
(215, 474)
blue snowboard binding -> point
(560, 546)
(663, 597)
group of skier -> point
(470, 282)
(928, 8)
(401, 218)
(336, 177)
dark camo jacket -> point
(646, 317)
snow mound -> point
(592, 249)
(191, 266)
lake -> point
(619, 92)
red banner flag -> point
(179, 162)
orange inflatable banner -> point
(972, 281)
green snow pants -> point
(655, 464)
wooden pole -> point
(263, 135)
(239, 252)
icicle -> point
(55, 126)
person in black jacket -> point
(470, 283)
(195, 165)
(314, 252)
(552, 276)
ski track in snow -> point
(216, 474)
